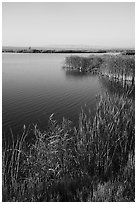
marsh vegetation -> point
(120, 67)
(93, 161)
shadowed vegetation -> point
(82, 64)
(94, 161)
(114, 86)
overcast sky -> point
(93, 24)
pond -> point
(35, 85)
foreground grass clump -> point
(92, 162)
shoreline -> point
(69, 53)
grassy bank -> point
(91, 162)
(120, 67)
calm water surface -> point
(35, 86)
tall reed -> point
(67, 163)
(119, 67)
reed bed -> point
(82, 64)
(119, 67)
(94, 161)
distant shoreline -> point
(68, 51)
(94, 53)
(53, 51)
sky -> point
(107, 25)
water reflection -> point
(77, 75)
(77, 68)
